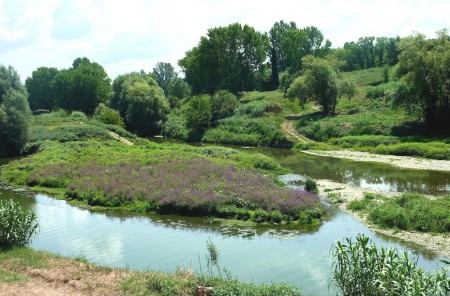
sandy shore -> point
(438, 243)
(398, 161)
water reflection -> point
(165, 242)
(362, 174)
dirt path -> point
(398, 161)
(119, 138)
(437, 243)
(289, 130)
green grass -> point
(257, 121)
(61, 127)
(370, 122)
(164, 178)
(11, 277)
(373, 76)
(245, 130)
(410, 212)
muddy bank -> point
(438, 243)
(406, 162)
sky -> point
(133, 35)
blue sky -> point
(125, 36)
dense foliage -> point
(168, 80)
(198, 116)
(81, 87)
(319, 82)
(40, 88)
(14, 112)
(368, 52)
(406, 212)
(141, 102)
(361, 268)
(228, 58)
(17, 226)
(426, 68)
(108, 115)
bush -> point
(175, 127)
(108, 115)
(413, 212)
(364, 141)
(360, 268)
(434, 150)
(311, 186)
(17, 226)
(257, 108)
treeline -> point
(238, 58)
(226, 62)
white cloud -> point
(132, 35)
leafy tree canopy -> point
(40, 88)
(141, 102)
(227, 58)
(425, 66)
(14, 112)
(82, 87)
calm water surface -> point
(299, 257)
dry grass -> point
(59, 276)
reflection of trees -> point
(209, 225)
(354, 173)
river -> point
(300, 257)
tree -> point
(274, 75)
(118, 99)
(164, 73)
(82, 87)
(198, 116)
(223, 104)
(321, 83)
(299, 90)
(276, 36)
(14, 113)
(227, 58)
(425, 65)
(289, 44)
(179, 88)
(40, 87)
(147, 107)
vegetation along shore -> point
(81, 136)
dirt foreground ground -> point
(62, 276)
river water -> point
(300, 257)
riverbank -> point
(343, 194)
(406, 162)
(24, 271)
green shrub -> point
(257, 108)
(17, 226)
(108, 115)
(434, 150)
(361, 268)
(365, 141)
(261, 216)
(311, 186)
(175, 127)
(413, 212)
(78, 114)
